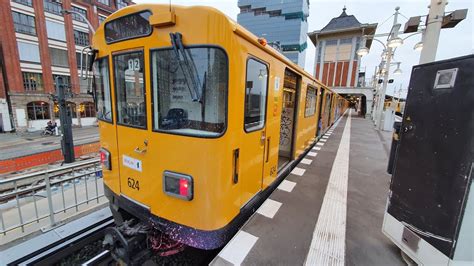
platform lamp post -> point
(393, 41)
(67, 142)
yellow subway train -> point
(199, 119)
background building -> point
(280, 22)
(37, 44)
(336, 62)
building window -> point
(24, 2)
(28, 52)
(32, 81)
(66, 81)
(104, 2)
(310, 105)
(331, 42)
(38, 110)
(81, 38)
(87, 109)
(55, 30)
(84, 61)
(52, 7)
(76, 16)
(24, 23)
(101, 19)
(245, 9)
(121, 4)
(255, 95)
(70, 109)
(84, 85)
(59, 57)
(320, 53)
(274, 13)
(260, 11)
(345, 41)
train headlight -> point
(105, 159)
(178, 185)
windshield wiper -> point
(187, 65)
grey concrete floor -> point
(285, 238)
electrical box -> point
(430, 208)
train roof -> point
(237, 29)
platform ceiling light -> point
(363, 51)
(418, 46)
(398, 71)
(395, 42)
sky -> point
(453, 42)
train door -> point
(320, 112)
(251, 154)
(289, 114)
(132, 134)
(327, 111)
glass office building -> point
(283, 23)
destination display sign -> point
(128, 27)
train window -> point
(255, 95)
(189, 90)
(310, 105)
(102, 89)
(130, 89)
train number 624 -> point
(132, 183)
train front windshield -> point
(189, 91)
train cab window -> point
(310, 105)
(130, 89)
(102, 89)
(255, 95)
(189, 91)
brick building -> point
(38, 43)
(336, 61)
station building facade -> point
(283, 24)
(336, 61)
(37, 44)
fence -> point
(48, 196)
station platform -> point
(329, 210)
(31, 149)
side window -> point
(102, 89)
(130, 89)
(310, 105)
(256, 84)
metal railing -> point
(42, 195)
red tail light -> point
(178, 185)
(183, 187)
(105, 159)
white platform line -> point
(312, 154)
(269, 208)
(287, 186)
(298, 171)
(323, 140)
(325, 137)
(238, 248)
(317, 148)
(306, 161)
(328, 243)
(320, 144)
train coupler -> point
(128, 243)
